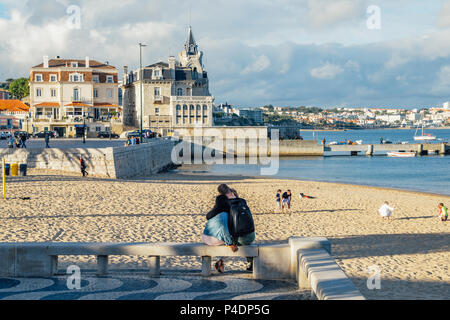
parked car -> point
(136, 133)
(20, 133)
(106, 134)
(3, 135)
(42, 134)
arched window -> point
(194, 74)
(192, 107)
(178, 107)
(179, 92)
(188, 91)
(185, 107)
(205, 107)
(199, 107)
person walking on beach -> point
(278, 200)
(83, 167)
(47, 140)
(443, 212)
(385, 211)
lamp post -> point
(110, 127)
(84, 128)
(141, 84)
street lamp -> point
(84, 128)
(110, 127)
(141, 79)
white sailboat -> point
(423, 136)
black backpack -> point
(240, 220)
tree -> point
(19, 88)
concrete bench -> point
(153, 250)
(41, 259)
(320, 272)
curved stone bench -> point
(307, 259)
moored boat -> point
(401, 154)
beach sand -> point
(412, 250)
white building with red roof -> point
(70, 96)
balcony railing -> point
(158, 98)
(81, 99)
(192, 98)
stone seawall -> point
(144, 159)
(255, 147)
(122, 162)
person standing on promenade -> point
(385, 211)
(11, 142)
(83, 167)
(18, 142)
(23, 137)
(47, 140)
(443, 212)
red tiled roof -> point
(13, 106)
(47, 104)
(105, 104)
(56, 63)
(78, 104)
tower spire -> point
(190, 46)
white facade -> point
(66, 93)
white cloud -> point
(444, 15)
(327, 71)
(442, 83)
(324, 13)
(260, 63)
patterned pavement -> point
(142, 287)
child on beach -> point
(385, 210)
(443, 212)
(278, 200)
(286, 200)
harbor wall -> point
(122, 162)
(255, 147)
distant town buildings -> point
(255, 115)
(363, 117)
(68, 94)
(4, 94)
(175, 93)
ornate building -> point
(175, 94)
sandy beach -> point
(412, 250)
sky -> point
(324, 53)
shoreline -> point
(419, 192)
